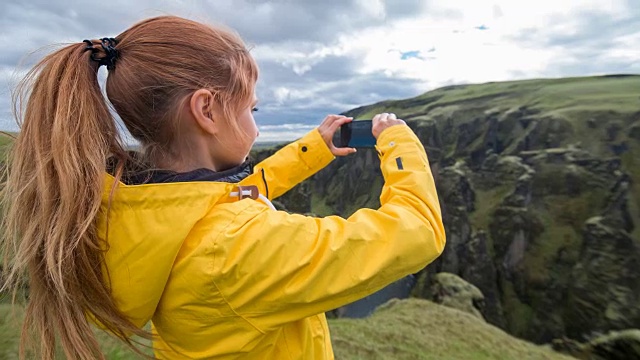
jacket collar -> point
(155, 176)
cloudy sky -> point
(319, 57)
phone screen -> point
(357, 134)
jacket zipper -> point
(266, 187)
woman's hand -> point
(383, 121)
(328, 128)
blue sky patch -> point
(410, 54)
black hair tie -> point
(111, 53)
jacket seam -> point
(216, 285)
(399, 152)
(286, 342)
(326, 335)
(236, 312)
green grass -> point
(487, 201)
(7, 137)
(517, 313)
(542, 253)
(631, 164)
(409, 329)
(575, 100)
(421, 330)
(546, 94)
(319, 206)
(10, 324)
(9, 332)
(268, 145)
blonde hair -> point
(56, 168)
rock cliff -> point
(536, 183)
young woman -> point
(182, 234)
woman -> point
(182, 234)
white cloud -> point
(374, 8)
(284, 132)
(281, 94)
(626, 48)
(300, 57)
(465, 54)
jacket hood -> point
(146, 229)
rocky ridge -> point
(536, 183)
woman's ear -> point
(202, 108)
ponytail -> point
(52, 195)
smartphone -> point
(357, 134)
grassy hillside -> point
(410, 329)
(581, 108)
(422, 330)
(569, 97)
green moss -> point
(550, 179)
(574, 210)
(373, 201)
(319, 205)
(550, 256)
(543, 252)
(368, 200)
(353, 206)
(631, 165)
(517, 314)
(486, 203)
(634, 211)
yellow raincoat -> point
(223, 278)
